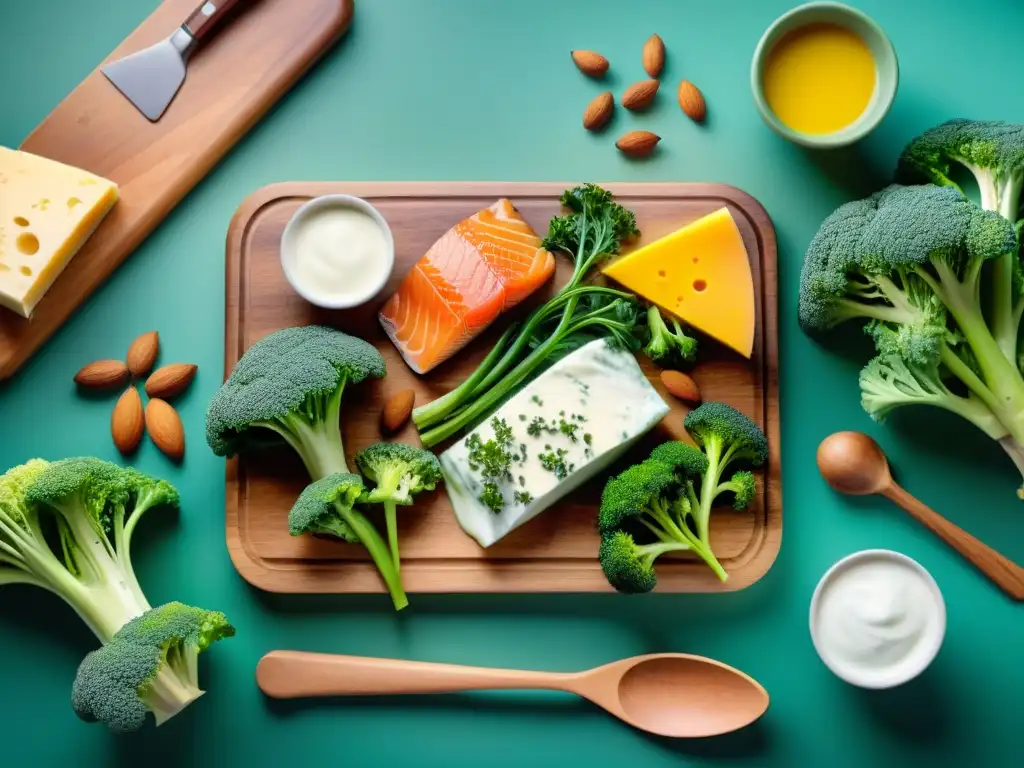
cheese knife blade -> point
(151, 78)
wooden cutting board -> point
(233, 79)
(554, 552)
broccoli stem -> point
(1015, 451)
(168, 694)
(379, 552)
(391, 520)
(648, 553)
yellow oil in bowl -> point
(819, 78)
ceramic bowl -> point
(880, 677)
(288, 253)
(882, 51)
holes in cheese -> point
(28, 244)
(701, 273)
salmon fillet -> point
(481, 267)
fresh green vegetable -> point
(328, 506)
(593, 229)
(290, 384)
(67, 526)
(400, 471)
(150, 665)
(664, 504)
(666, 346)
(939, 283)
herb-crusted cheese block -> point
(559, 431)
(47, 211)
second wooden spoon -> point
(851, 462)
(669, 694)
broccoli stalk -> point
(67, 527)
(400, 471)
(291, 384)
(912, 262)
(593, 230)
(328, 506)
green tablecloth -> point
(461, 89)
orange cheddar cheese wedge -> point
(701, 274)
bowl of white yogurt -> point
(337, 251)
(878, 619)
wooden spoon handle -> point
(294, 674)
(1003, 571)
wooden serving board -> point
(556, 551)
(233, 79)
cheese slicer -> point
(151, 78)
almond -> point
(654, 56)
(397, 411)
(165, 428)
(103, 374)
(640, 95)
(682, 386)
(127, 423)
(691, 100)
(638, 143)
(599, 111)
(170, 380)
(142, 353)
(590, 63)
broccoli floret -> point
(328, 506)
(628, 566)
(639, 490)
(291, 383)
(912, 262)
(668, 346)
(66, 526)
(400, 471)
(687, 460)
(993, 151)
(150, 665)
(743, 486)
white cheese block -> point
(47, 211)
(602, 384)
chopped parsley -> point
(493, 460)
(536, 399)
(554, 462)
(568, 429)
(523, 497)
(588, 438)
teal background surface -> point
(461, 89)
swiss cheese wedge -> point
(701, 274)
(47, 211)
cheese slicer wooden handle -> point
(203, 20)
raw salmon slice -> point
(479, 268)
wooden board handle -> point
(295, 674)
(1004, 572)
(204, 18)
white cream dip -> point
(877, 619)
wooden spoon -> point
(853, 463)
(669, 694)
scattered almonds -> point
(654, 56)
(127, 423)
(599, 111)
(103, 374)
(165, 428)
(142, 353)
(590, 63)
(638, 143)
(640, 95)
(170, 380)
(691, 100)
(682, 386)
(397, 411)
